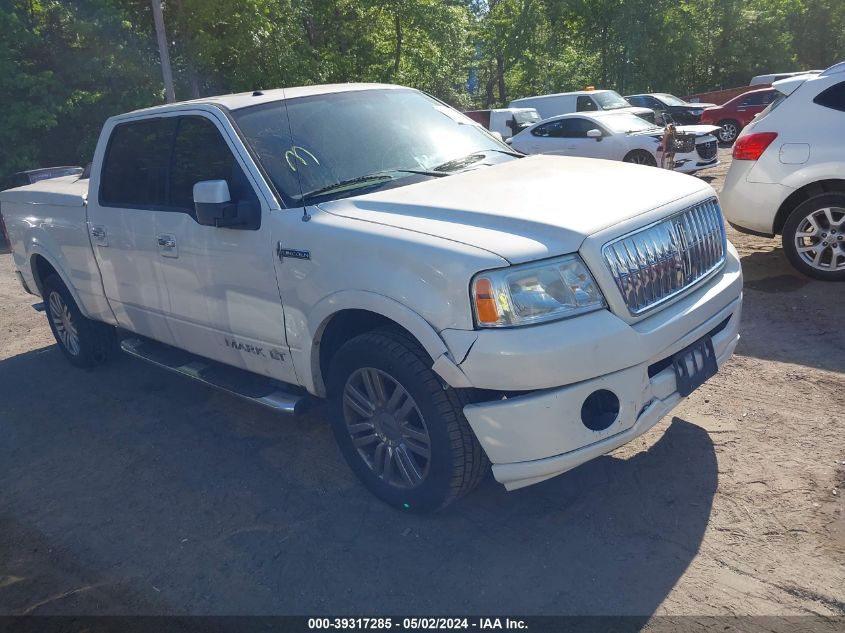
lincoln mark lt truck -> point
(459, 304)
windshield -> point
(526, 117)
(624, 122)
(350, 136)
(610, 100)
(671, 100)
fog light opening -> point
(600, 410)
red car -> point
(735, 114)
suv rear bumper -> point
(541, 434)
(748, 205)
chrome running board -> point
(238, 382)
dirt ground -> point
(127, 490)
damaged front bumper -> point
(542, 432)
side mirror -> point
(498, 136)
(214, 207)
(594, 133)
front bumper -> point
(538, 435)
(690, 166)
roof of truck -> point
(245, 99)
(563, 94)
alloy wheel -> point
(728, 133)
(386, 427)
(63, 323)
(820, 239)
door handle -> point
(167, 245)
(98, 235)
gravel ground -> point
(128, 490)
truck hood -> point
(526, 209)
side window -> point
(546, 129)
(636, 101)
(586, 104)
(833, 97)
(758, 99)
(578, 128)
(135, 167)
(201, 153)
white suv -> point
(788, 173)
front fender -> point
(417, 326)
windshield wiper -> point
(374, 178)
(474, 157)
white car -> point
(618, 136)
(458, 304)
(788, 173)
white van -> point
(580, 101)
(766, 80)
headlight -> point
(534, 293)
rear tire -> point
(402, 433)
(730, 130)
(85, 343)
(814, 237)
(640, 157)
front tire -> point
(402, 433)
(814, 237)
(85, 343)
(730, 130)
(640, 157)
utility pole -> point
(166, 72)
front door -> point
(223, 296)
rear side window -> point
(565, 128)
(833, 97)
(759, 98)
(552, 129)
(200, 153)
(135, 168)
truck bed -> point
(67, 191)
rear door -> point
(126, 197)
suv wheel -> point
(814, 237)
(400, 431)
(85, 343)
(730, 130)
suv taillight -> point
(751, 147)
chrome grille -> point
(661, 260)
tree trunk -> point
(166, 72)
(397, 56)
(500, 77)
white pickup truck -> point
(458, 304)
